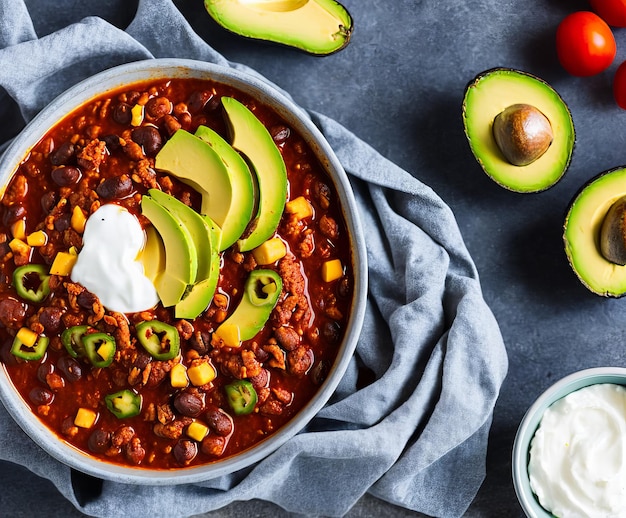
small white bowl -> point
(530, 423)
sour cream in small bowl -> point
(569, 454)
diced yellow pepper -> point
(37, 238)
(85, 418)
(18, 229)
(27, 336)
(19, 247)
(229, 335)
(270, 251)
(332, 270)
(197, 431)
(63, 263)
(178, 376)
(201, 373)
(299, 206)
(137, 115)
(78, 219)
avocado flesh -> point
(582, 231)
(242, 185)
(318, 27)
(250, 137)
(492, 92)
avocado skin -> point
(345, 29)
(538, 187)
(607, 292)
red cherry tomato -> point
(585, 44)
(619, 86)
(612, 12)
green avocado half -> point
(585, 233)
(525, 112)
(319, 27)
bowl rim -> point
(530, 422)
(267, 93)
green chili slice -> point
(25, 352)
(99, 348)
(124, 403)
(72, 340)
(159, 339)
(241, 396)
(32, 282)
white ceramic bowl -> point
(531, 420)
(297, 119)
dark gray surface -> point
(399, 86)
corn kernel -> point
(37, 238)
(332, 270)
(178, 376)
(78, 220)
(85, 418)
(229, 335)
(270, 251)
(18, 229)
(136, 115)
(19, 247)
(197, 431)
(201, 373)
(63, 263)
(300, 207)
(27, 336)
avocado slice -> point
(251, 138)
(181, 258)
(498, 106)
(242, 185)
(582, 233)
(260, 295)
(319, 27)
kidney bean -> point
(86, 299)
(198, 99)
(5, 353)
(115, 187)
(49, 200)
(12, 313)
(189, 404)
(200, 341)
(219, 421)
(184, 451)
(287, 337)
(13, 213)
(134, 451)
(40, 396)
(149, 138)
(122, 113)
(158, 107)
(70, 368)
(261, 380)
(50, 319)
(213, 445)
(63, 154)
(65, 175)
(112, 142)
(280, 133)
(99, 441)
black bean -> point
(40, 396)
(43, 370)
(66, 175)
(149, 138)
(198, 100)
(70, 368)
(50, 319)
(63, 154)
(112, 141)
(280, 133)
(116, 187)
(122, 113)
(86, 299)
(331, 331)
(200, 341)
(99, 441)
(13, 213)
(189, 404)
(62, 222)
(49, 200)
(184, 451)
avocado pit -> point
(613, 233)
(523, 133)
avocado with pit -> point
(196, 163)
(241, 179)
(181, 257)
(519, 129)
(251, 138)
(319, 27)
(260, 295)
(594, 238)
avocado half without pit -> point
(318, 27)
(595, 234)
(519, 129)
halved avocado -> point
(582, 236)
(319, 27)
(505, 112)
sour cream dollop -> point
(577, 464)
(108, 264)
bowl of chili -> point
(147, 391)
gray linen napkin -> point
(416, 436)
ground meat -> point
(328, 227)
(16, 191)
(251, 365)
(92, 155)
(134, 452)
(277, 359)
(300, 360)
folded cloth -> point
(416, 435)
